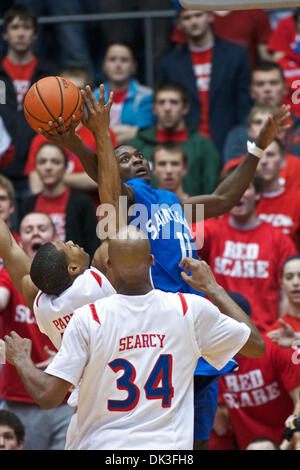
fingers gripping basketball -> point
(51, 98)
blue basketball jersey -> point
(159, 214)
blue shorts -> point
(206, 389)
(205, 406)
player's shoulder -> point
(187, 303)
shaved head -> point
(130, 260)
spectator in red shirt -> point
(45, 429)
(169, 165)
(257, 399)
(260, 396)
(71, 211)
(246, 255)
(286, 331)
(215, 72)
(279, 205)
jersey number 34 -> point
(157, 386)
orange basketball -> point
(51, 98)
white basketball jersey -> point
(53, 313)
(134, 358)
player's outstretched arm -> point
(232, 188)
(17, 263)
(97, 121)
(47, 390)
(109, 182)
(203, 280)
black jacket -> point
(81, 220)
(229, 98)
(15, 121)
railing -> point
(146, 16)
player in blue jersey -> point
(160, 214)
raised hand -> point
(284, 336)
(201, 277)
(273, 127)
(62, 136)
(98, 117)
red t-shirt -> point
(167, 136)
(294, 322)
(282, 210)
(21, 76)
(257, 395)
(55, 207)
(248, 262)
(284, 37)
(74, 164)
(18, 317)
(202, 64)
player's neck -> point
(135, 288)
(272, 186)
(20, 59)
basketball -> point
(51, 98)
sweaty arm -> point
(203, 280)
(232, 188)
(17, 263)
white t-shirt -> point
(134, 358)
(53, 313)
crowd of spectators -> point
(218, 77)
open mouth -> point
(36, 246)
(141, 172)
